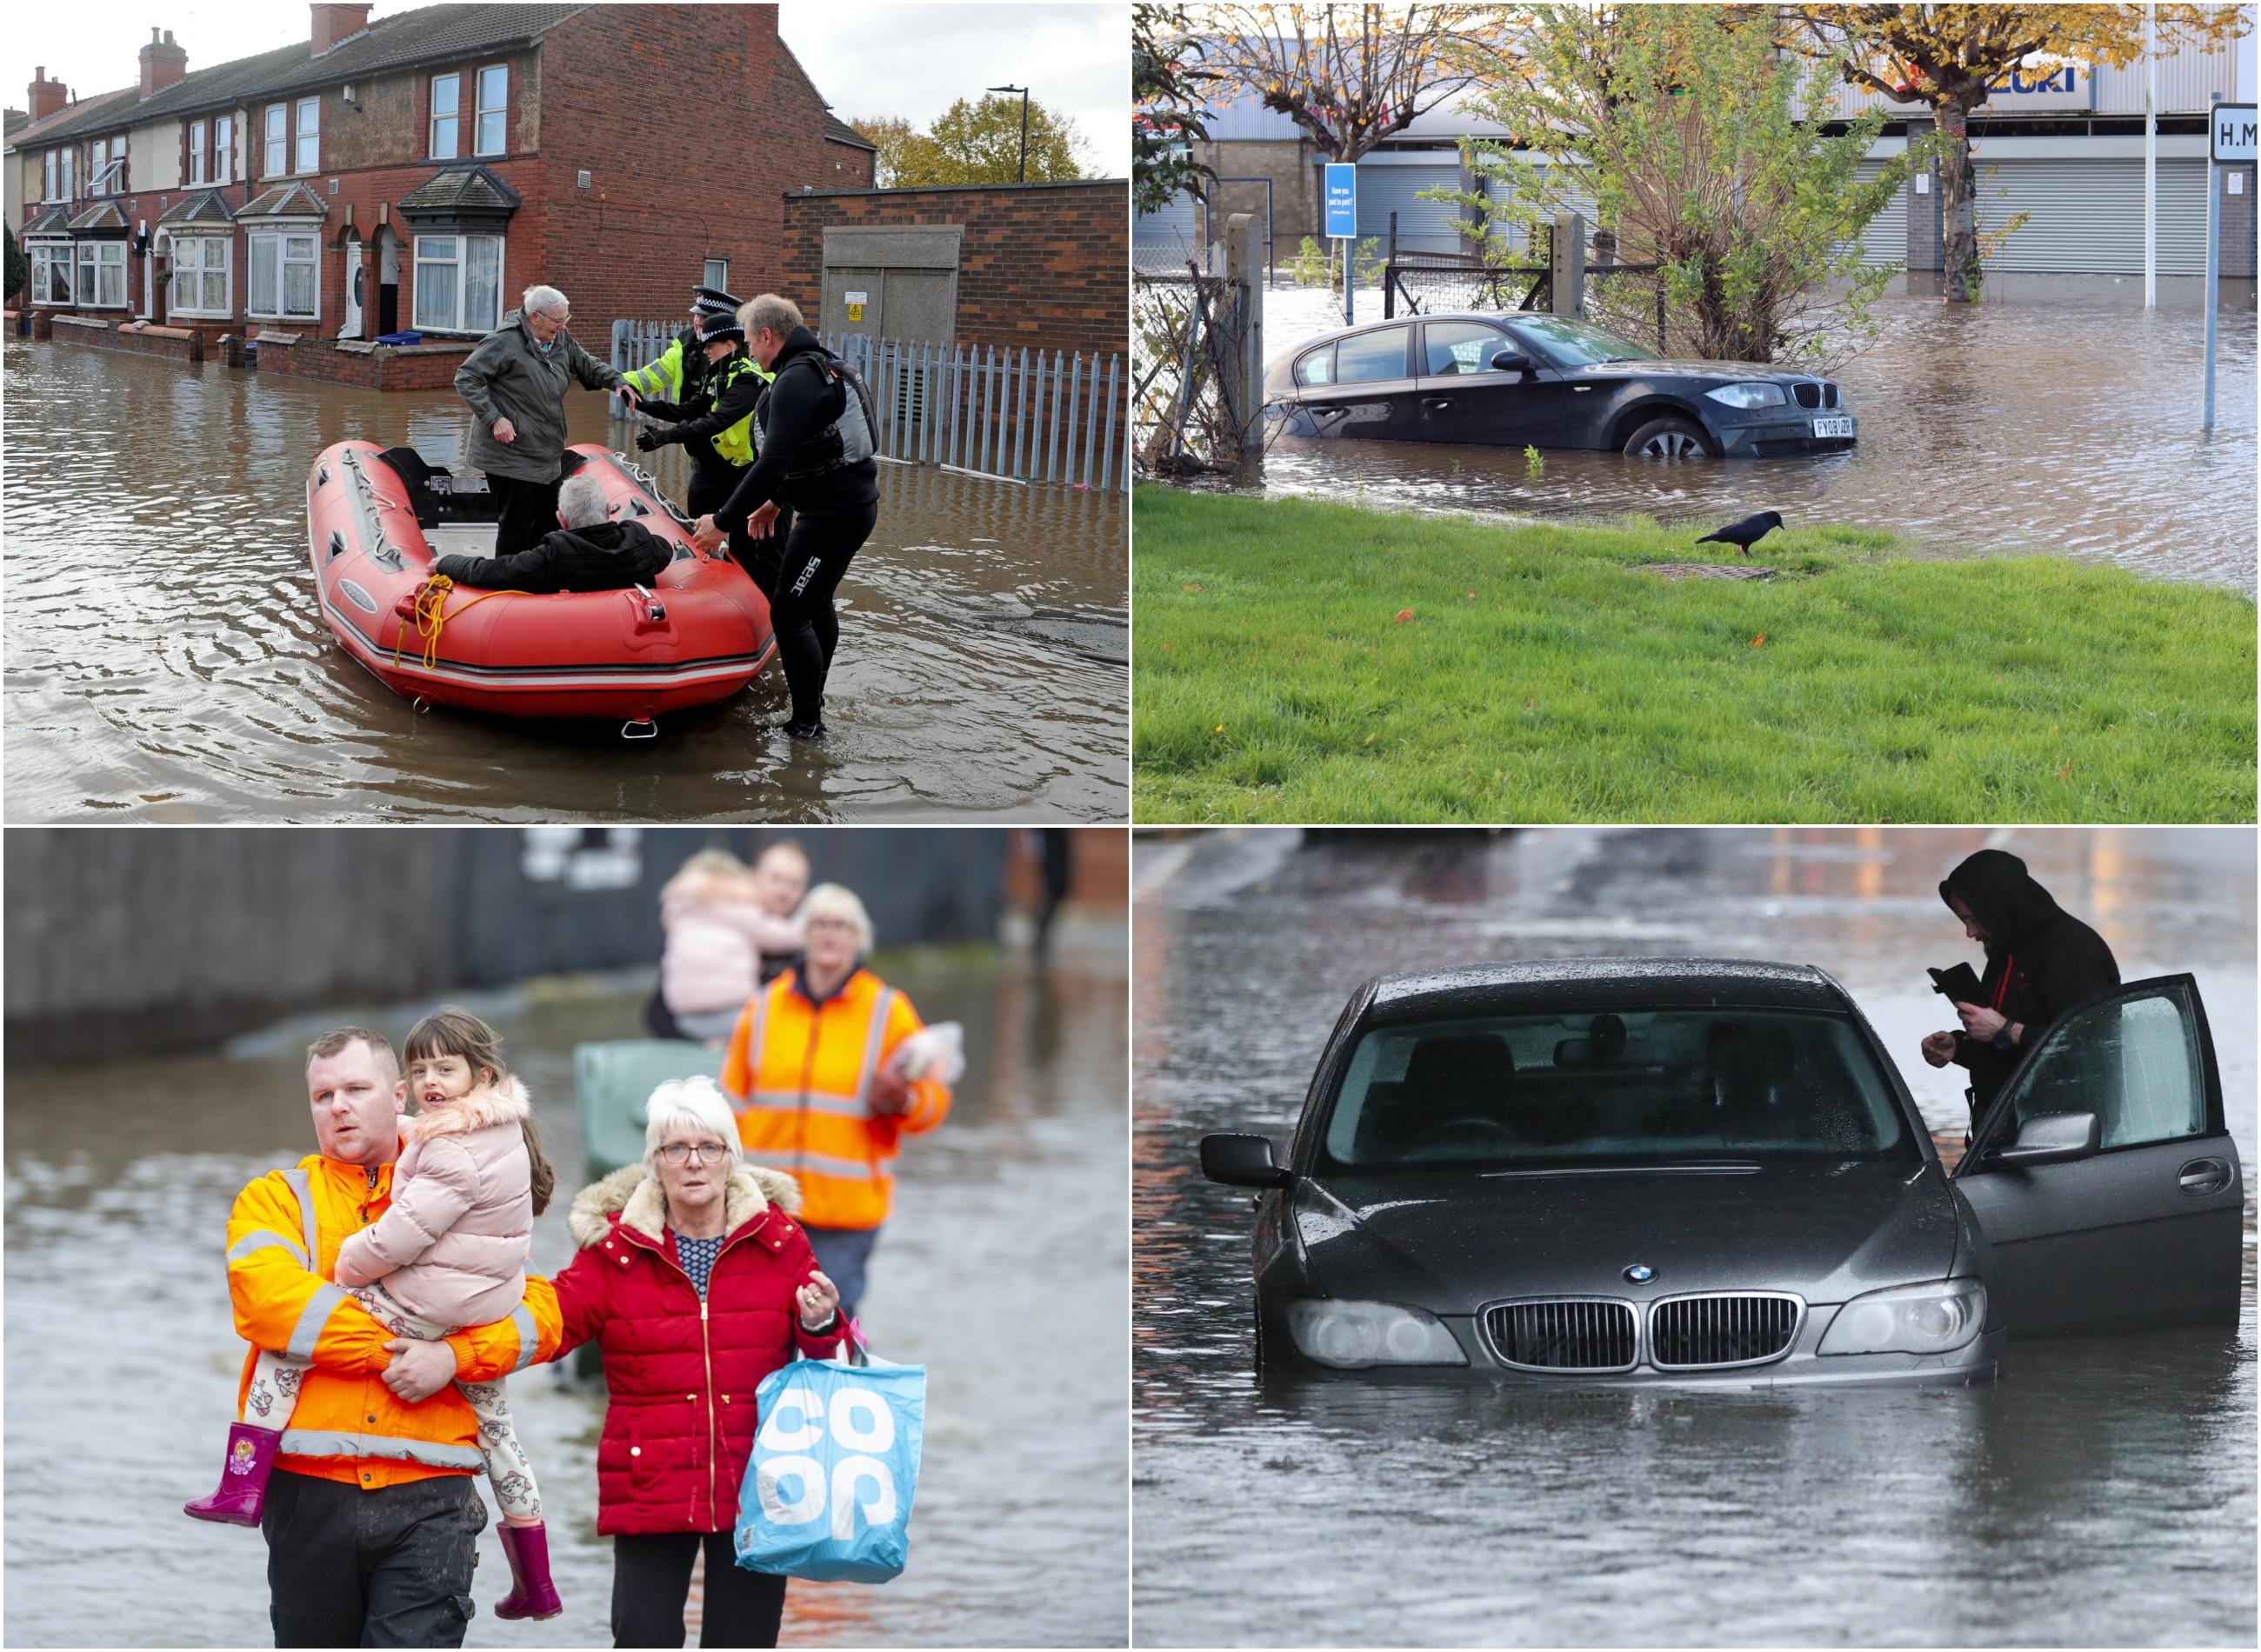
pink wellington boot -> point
(243, 1491)
(531, 1595)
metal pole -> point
(2213, 254)
(1350, 283)
(2151, 158)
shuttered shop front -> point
(1164, 239)
(1884, 241)
(1422, 225)
(2086, 216)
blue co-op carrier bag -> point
(827, 1494)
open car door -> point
(2137, 1222)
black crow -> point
(1743, 534)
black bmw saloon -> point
(1697, 1171)
(1544, 381)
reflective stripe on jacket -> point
(282, 1242)
(800, 1075)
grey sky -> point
(908, 60)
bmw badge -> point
(1641, 1273)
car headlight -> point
(1934, 1318)
(1749, 395)
(1352, 1335)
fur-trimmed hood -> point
(634, 1192)
(486, 1105)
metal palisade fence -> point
(1025, 415)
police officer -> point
(813, 453)
(678, 372)
(717, 426)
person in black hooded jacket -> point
(588, 552)
(2041, 961)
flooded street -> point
(2101, 1494)
(2063, 425)
(166, 660)
(122, 1364)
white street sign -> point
(2235, 127)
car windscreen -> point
(1576, 344)
(1615, 1087)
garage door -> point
(1422, 225)
(1884, 241)
(2086, 216)
(1164, 239)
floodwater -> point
(2101, 1494)
(1003, 1270)
(166, 660)
(2047, 424)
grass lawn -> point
(1300, 661)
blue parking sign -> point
(1342, 202)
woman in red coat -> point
(697, 1281)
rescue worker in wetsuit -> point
(717, 426)
(812, 455)
(2041, 961)
(679, 372)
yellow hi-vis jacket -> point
(282, 1240)
(660, 379)
(800, 1075)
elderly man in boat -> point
(516, 384)
(588, 551)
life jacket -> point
(847, 440)
(799, 1076)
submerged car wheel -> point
(1667, 439)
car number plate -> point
(1832, 427)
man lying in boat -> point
(587, 552)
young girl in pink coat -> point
(450, 1252)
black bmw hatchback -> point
(1544, 381)
(1697, 1171)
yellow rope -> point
(429, 612)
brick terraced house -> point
(416, 172)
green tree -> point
(19, 267)
(1166, 114)
(974, 143)
(903, 149)
(1947, 56)
(1683, 130)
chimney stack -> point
(162, 63)
(47, 95)
(336, 22)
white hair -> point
(837, 901)
(581, 502)
(695, 1101)
(544, 299)
(779, 315)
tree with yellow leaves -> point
(1947, 56)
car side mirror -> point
(2051, 1138)
(1511, 361)
(1242, 1162)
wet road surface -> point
(166, 660)
(2063, 425)
(1003, 1270)
(2102, 1494)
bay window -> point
(494, 100)
(458, 284)
(286, 276)
(447, 102)
(102, 274)
(51, 273)
(200, 275)
(277, 140)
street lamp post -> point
(1024, 125)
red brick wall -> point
(1041, 264)
(428, 367)
(180, 345)
(851, 169)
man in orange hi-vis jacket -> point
(371, 1516)
(821, 1093)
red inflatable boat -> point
(376, 521)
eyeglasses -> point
(560, 320)
(709, 1153)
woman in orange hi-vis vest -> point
(818, 1075)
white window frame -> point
(482, 109)
(432, 127)
(196, 154)
(306, 136)
(51, 174)
(105, 167)
(70, 172)
(201, 268)
(274, 139)
(106, 256)
(708, 278)
(223, 148)
(46, 255)
(282, 238)
(462, 264)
